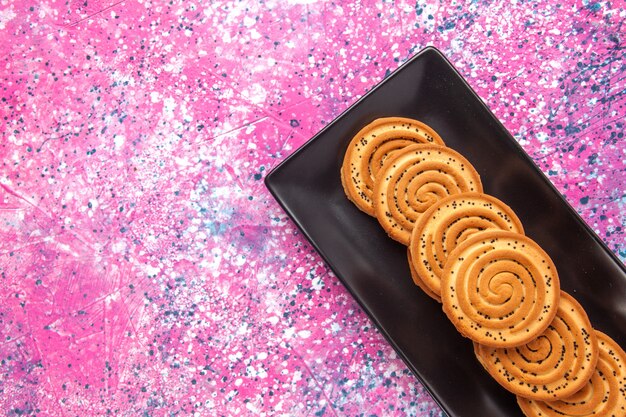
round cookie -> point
(371, 146)
(500, 289)
(449, 223)
(603, 395)
(414, 179)
(418, 281)
(555, 365)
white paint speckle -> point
(119, 140)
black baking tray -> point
(374, 268)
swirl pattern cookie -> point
(468, 251)
(371, 146)
(413, 180)
(500, 289)
(603, 395)
(449, 223)
(555, 365)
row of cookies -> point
(499, 288)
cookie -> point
(418, 281)
(555, 365)
(500, 289)
(371, 146)
(604, 394)
(413, 180)
(449, 223)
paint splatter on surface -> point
(145, 269)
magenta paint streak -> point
(145, 269)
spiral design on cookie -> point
(552, 366)
(449, 223)
(603, 395)
(415, 179)
(500, 289)
(369, 149)
(418, 281)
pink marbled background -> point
(145, 269)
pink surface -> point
(145, 269)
